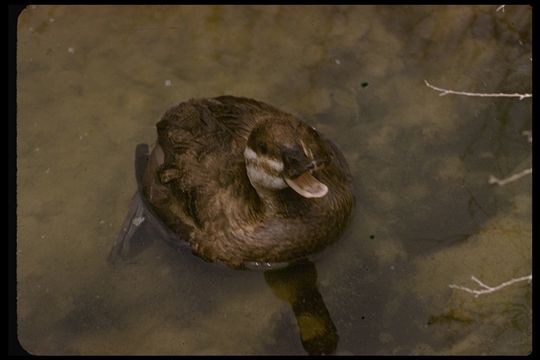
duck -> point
(242, 182)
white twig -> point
(512, 178)
(500, 8)
(488, 289)
(447, 91)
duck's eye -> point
(263, 149)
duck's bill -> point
(308, 186)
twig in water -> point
(512, 178)
(447, 91)
(488, 289)
(500, 8)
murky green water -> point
(92, 83)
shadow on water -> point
(297, 284)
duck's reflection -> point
(297, 284)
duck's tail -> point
(133, 236)
(140, 225)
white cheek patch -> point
(259, 177)
(273, 164)
(251, 156)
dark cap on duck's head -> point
(283, 152)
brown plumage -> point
(197, 182)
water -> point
(93, 81)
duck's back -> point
(203, 177)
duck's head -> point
(284, 152)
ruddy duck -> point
(243, 182)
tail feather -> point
(133, 237)
(141, 225)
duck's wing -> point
(203, 141)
